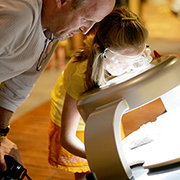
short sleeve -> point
(74, 78)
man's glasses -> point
(46, 50)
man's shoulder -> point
(20, 9)
(18, 17)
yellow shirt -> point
(72, 81)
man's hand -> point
(7, 147)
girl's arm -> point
(70, 121)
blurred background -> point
(161, 18)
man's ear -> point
(60, 3)
(96, 47)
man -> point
(29, 32)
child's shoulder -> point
(74, 66)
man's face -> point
(71, 21)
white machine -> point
(102, 109)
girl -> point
(119, 43)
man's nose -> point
(86, 28)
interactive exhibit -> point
(102, 108)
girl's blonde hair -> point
(120, 29)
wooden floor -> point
(30, 133)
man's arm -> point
(7, 146)
(5, 116)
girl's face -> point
(119, 62)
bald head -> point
(97, 9)
(77, 4)
(73, 16)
